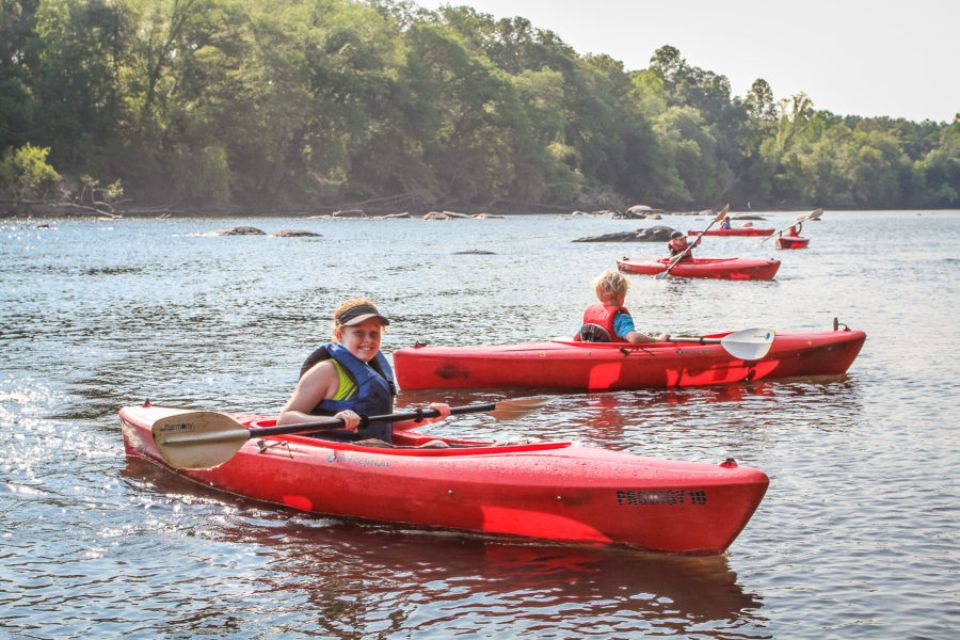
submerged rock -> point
(658, 233)
(240, 231)
(295, 233)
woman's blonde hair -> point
(610, 284)
(342, 309)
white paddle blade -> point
(198, 439)
(749, 344)
(518, 408)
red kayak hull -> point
(739, 231)
(714, 268)
(792, 242)
(599, 366)
(552, 491)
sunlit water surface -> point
(857, 536)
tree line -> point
(284, 104)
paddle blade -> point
(749, 344)
(722, 213)
(517, 408)
(198, 439)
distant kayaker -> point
(795, 229)
(727, 223)
(349, 377)
(609, 320)
(678, 244)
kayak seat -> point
(593, 333)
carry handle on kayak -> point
(747, 344)
(207, 439)
(677, 258)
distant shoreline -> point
(34, 210)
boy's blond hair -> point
(610, 284)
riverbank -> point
(53, 210)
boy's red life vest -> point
(679, 245)
(598, 323)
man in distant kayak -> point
(726, 223)
(349, 378)
(609, 320)
(678, 245)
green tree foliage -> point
(17, 58)
(25, 173)
(313, 103)
(941, 169)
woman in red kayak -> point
(349, 378)
(678, 244)
(795, 229)
(609, 320)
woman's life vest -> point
(598, 323)
(376, 388)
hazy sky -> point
(852, 57)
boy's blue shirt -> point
(623, 324)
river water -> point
(856, 538)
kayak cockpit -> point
(408, 443)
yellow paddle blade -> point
(517, 408)
(198, 439)
(722, 214)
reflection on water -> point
(457, 581)
(858, 526)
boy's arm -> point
(625, 330)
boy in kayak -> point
(678, 244)
(727, 223)
(609, 320)
(349, 378)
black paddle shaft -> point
(335, 423)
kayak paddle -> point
(747, 344)
(813, 215)
(207, 439)
(677, 258)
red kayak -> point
(739, 231)
(553, 490)
(716, 268)
(792, 242)
(601, 366)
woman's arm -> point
(320, 383)
(442, 407)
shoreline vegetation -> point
(225, 107)
(69, 210)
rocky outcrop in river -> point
(657, 233)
